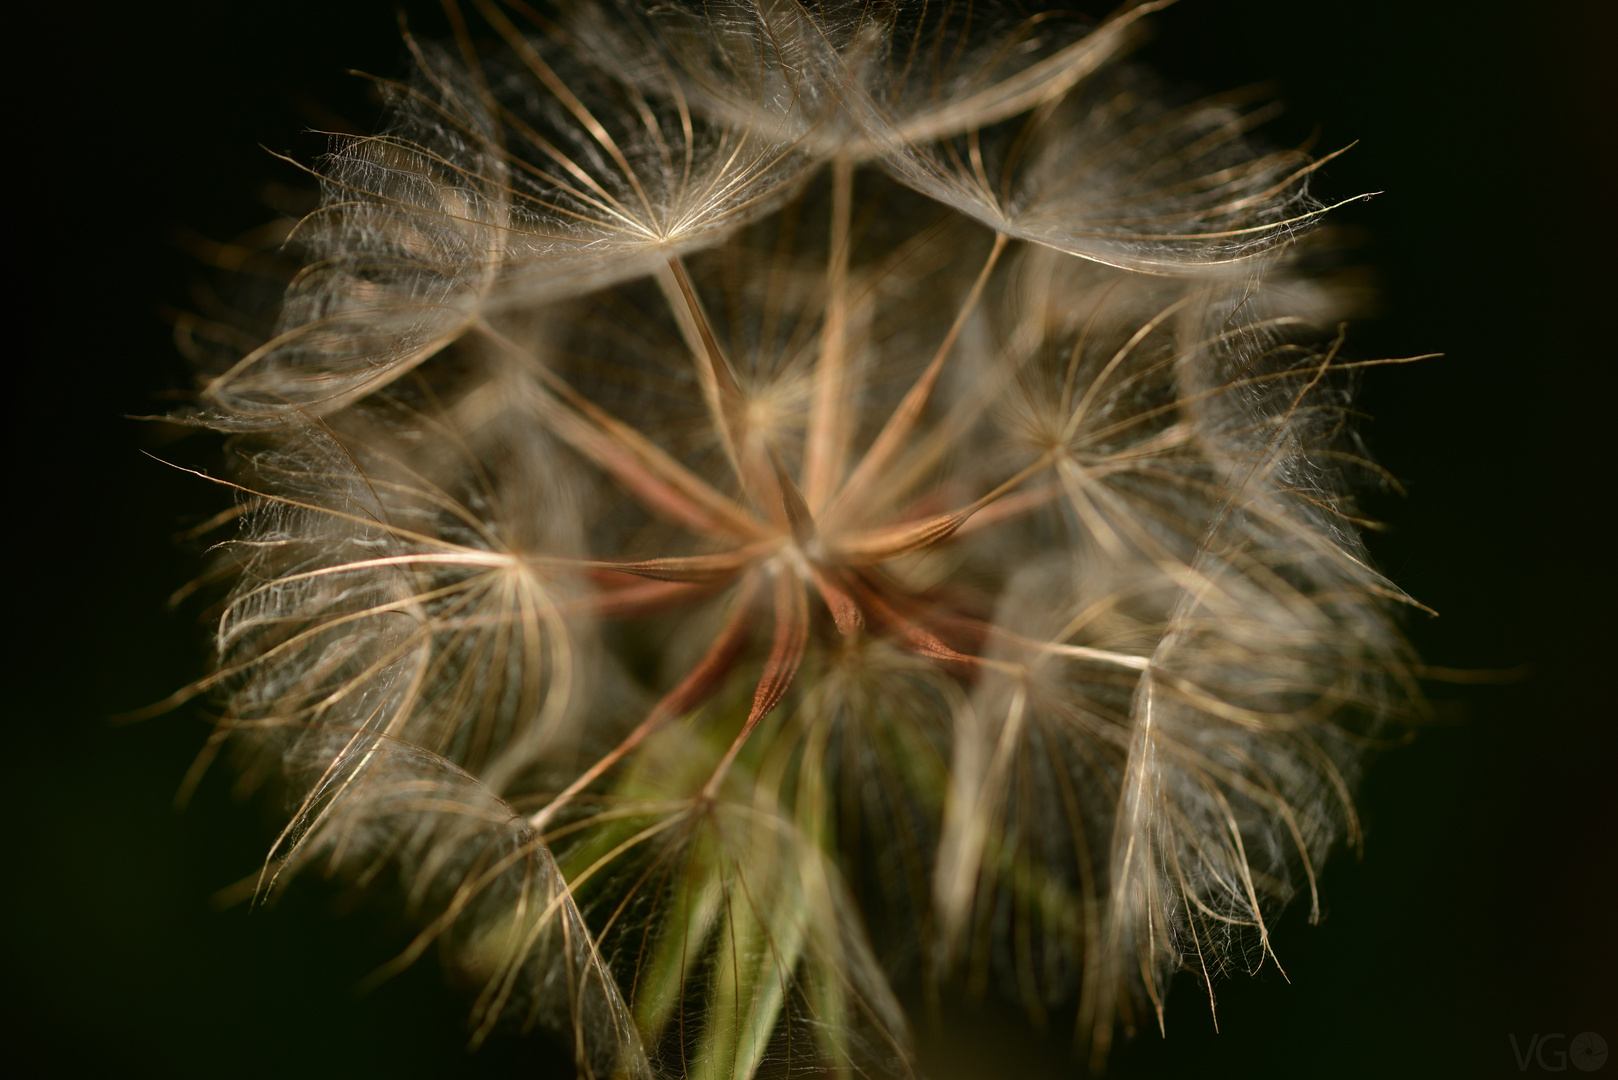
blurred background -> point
(1483, 908)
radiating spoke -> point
(695, 688)
(896, 432)
(878, 545)
(829, 412)
(632, 601)
(845, 612)
(694, 569)
(786, 654)
(720, 389)
(645, 469)
(910, 633)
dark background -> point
(1484, 906)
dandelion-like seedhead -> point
(742, 503)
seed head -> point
(748, 502)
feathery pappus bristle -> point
(744, 505)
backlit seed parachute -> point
(750, 504)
